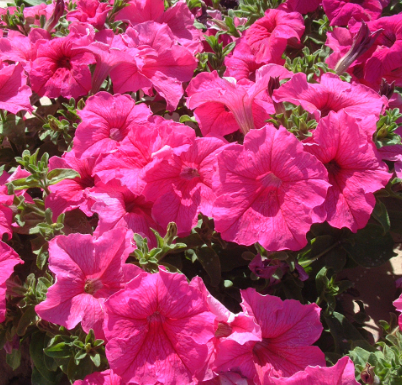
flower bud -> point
(362, 42)
(57, 14)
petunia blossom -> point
(106, 121)
(90, 11)
(58, 70)
(342, 373)
(269, 36)
(266, 190)
(158, 329)
(354, 167)
(14, 92)
(88, 271)
(301, 6)
(339, 12)
(331, 94)
(398, 305)
(223, 106)
(181, 185)
(288, 329)
(8, 259)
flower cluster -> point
(182, 138)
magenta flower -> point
(398, 305)
(90, 11)
(70, 194)
(342, 373)
(100, 378)
(61, 71)
(88, 271)
(222, 106)
(181, 186)
(301, 6)
(106, 121)
(158, 329)
(331, 94)
(354, 167)
(14, 92)
(154, 60)
(178, 18)
(268, 36)
(8, 259)
(339, 12)
(266, 190)
(288, 329)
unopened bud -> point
(362, 42)
(57, 14)
(273, 84)
(387, 89)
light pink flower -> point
(14, 92)
(159, 328)
(354, 167)
(90, 11)
(268, 36)
(88, 271)
(288, 329)
(342, 373)
(8, 259)
(100, 378)
(60, 71)
(106, 121)
(223, 106)
(181, 185)
(339, 12)
(266, 190)
(331, 94)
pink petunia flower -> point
(266, 190)
(354, 167)
(268, 36)
(398, 305)
(14, 92)
(70, 194)
(106, 121)
(301, 6)
(61, 71)
(331, 94)
(154, 60)
(339, 12)
(88, 271)
(90, 11)
(342, 373)
(8, 259)
(178, 18)
(158, 329)
(181, 185)
(223, 106)
(108, 377)
(288, 328)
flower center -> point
(223, 330)
(64, 63)
(116, 134)
(92, 286)
(270, 180)
(156, 318)
(189, 173)
(333, 167)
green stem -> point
(310, 261)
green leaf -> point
(28, 318)
(59, 350)
(59, 174)
(369, 247)
(14, 359)
(211, 264)
(96, 359)
(380, 214)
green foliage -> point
(386, 126)
(255, 9)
